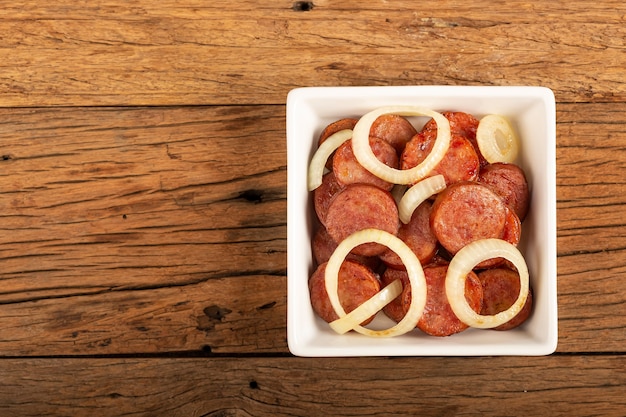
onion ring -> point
(496, 139)
(368, 308)
(416, 195)
(364, 154)
(462, 264)
(321, 155)
(414, 270)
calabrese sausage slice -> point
(463, 124)
(509, 182)
(323, 247)
(331, 129)
(418, 236)
(438, 318)
(465, 212)
(460, 163)
(500, 290)
(323, 195)
(396, 130)
(358, 207)
(396, 309)
(349, 171)
(357, 284)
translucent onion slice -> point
(496, 139)
(364, 154)
(368, 308)
(417, 194)
(323, 152)
(413, 268)
(397, 192)
(461, 265)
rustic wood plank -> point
(591, 203)
(163, 229)
(555, 386)
(194, 52)
(234, 314)
(156, 187)
(103, 207)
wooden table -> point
(143, 203)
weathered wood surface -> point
(125, 229)
(430, 387)
(224, 52)
(143, 202)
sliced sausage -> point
(512, 233)
(438, 318)
(509, 182)
(418, 236)
(349, 171)
(334, 127)
(396, 309)
(460, 163)
(356, 284)
(512, 228)
(358, 207)
(500, 290)
(396, 130)
(463, 124)
(323, 195)
(465, 212)
(323, 247)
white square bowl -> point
(532, 113)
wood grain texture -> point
(154, 230)
(555, 386)
(102, 208)
(194, 52)
(143, 203)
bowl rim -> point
(314, 100)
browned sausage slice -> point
(396, 130)
(500, 290)
(438, 318)
(512, 233)
(465, 212)
(396, 309)
(509, 182)
(336, 126)
(349, 171)
(331, 129)
(356, 284)
(358, 207)
(512, 228)
(323, 195)
(323, 247)
(418, 236)
(463, 124)
(460, 163)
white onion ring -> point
(364, 154)
(368, 308)
(321, 155)
(462, 264)
(496, 139)
(417, 194)
(413, 269)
